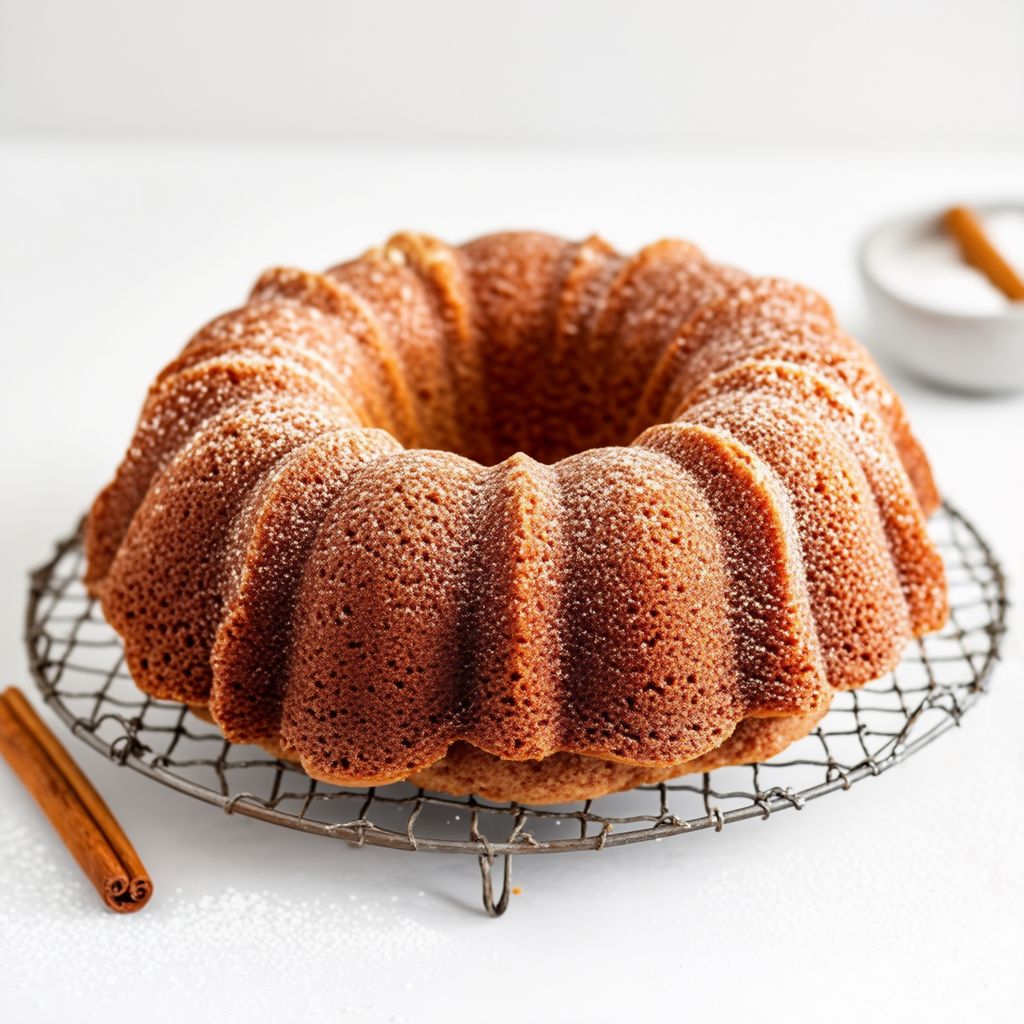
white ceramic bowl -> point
(982, 352)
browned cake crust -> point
(564, 778)
(524, 517)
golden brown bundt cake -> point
(524, 517)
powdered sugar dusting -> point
(328, 529)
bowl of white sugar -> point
(940, 310)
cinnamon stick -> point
(977, 250)
(75, 809)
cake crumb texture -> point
(525, 517)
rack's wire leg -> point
(492, 908)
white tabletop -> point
(901, 896)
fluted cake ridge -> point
(523, 517)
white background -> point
(153, 164)
(791, 72)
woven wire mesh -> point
(78, 663)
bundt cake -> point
(524, 517)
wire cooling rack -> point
(78, 662)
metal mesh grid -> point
(78, 663)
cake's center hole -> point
(525, 412)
